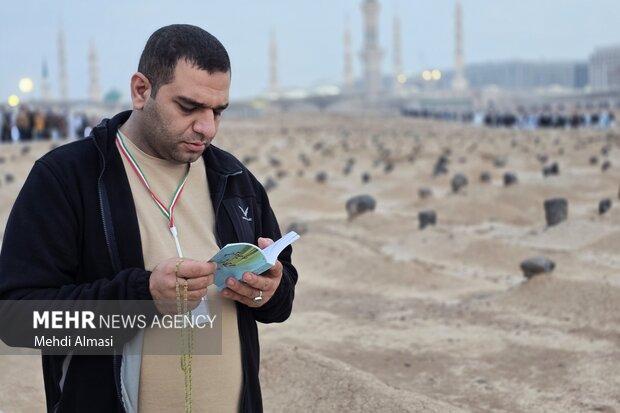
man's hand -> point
(253, 284)
(198, 275)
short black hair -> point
(168, 45)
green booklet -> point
(235, 259)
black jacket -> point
(73, 234)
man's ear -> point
(140, 90)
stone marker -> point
(427, 218)
(365, 177)
(556, 211)
(9, 178)
(485, 177)
(247, 160)
(425, 192)
(269, 184)
(304, 159)
(536, 265)
(348, 166)
(275, 162)
(605, 166)
(605, 150)
(441, 166)
(321, 177)
(458, 182)
(604, 205)
(500, 162)
(510, 179)
(360, 204)
(299, 227)
(553, 169)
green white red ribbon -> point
(168, 212)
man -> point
(89, 224)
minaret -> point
(398, 68)
(348, 58)
(94, 91)
(371, 54)
(273, 65)
(459, 83)
(45, 82)
(62, 66)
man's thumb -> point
(264, 242)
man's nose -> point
(205, 124)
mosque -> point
(449, 89)
(373, 90)
(504, 85)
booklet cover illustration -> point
(236, 259)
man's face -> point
(182, 120)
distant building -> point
(371, 54)
(274, 87)
(459, 80)
(518, 75)
(605, 68)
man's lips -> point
(196, 146)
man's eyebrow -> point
(192, 102)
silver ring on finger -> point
(259, 297)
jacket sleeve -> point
(279, 307)
(40, 256)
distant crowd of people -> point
(24, 124)
(521, 119)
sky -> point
(309, 36)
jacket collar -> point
(104, 134)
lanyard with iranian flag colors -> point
(167, 212)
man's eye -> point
(217, 113)
(186, 110)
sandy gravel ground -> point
(392, 318)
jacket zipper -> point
(107, 241)
(218, 240)
(218, 203)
